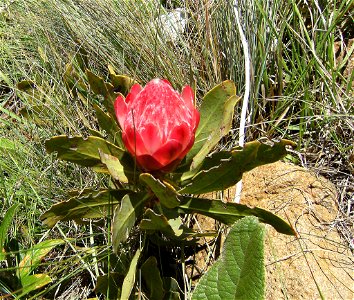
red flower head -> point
(158, 124)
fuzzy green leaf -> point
(165, 192)
(152, 278)
(239, 272)
(224, 169)
(82, 151)
(228, 213)
(91, 204)
(125, 216)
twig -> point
(246, 95)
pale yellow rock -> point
(318, 261)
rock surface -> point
(317, 262)
(314, 264)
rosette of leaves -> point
(152, 204)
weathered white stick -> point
(242, 129)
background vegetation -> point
(301, 89)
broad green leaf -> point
(33, 257)
(37, 114)
(120, 170)
(97, 84)
(125, 216)
(179, 229)
(129, 279)
(165, 192)
(223, 128)
(214, 108)
(91, 204)
(239, 273)
(31, 92)
(155, 222)
(109, 124)
(4, 227)
(172, 228)
(110, 285)
(82, 151)
(228, 213)
(81, 56)
(152, 278)
(172, 296)
(121, 83)
(172, 289)
(33, 282)
(26, 85)
(225, 168)
(100, 87)
(75, 83)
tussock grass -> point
(301, 89)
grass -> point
(301, 89)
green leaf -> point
(100, 87)
(228, 213)
(172, 228)
(155, 222)
(165, 192)
(239, 273)
(74, 83)
(81, 56)
(120, 170)
(109, 124)
(172, 289)
(4, 227)
(129, 279)
(225, 168)
(125, 216)
(223, 128)
(82, 151)
(152, 278)
(110, 285)
(91, 204)
(216, 113)
(33, 257)
(121, 83)
(26, 85)
(33, 282)
(29, 90)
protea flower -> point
(158, 124)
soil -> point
(317, 263)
